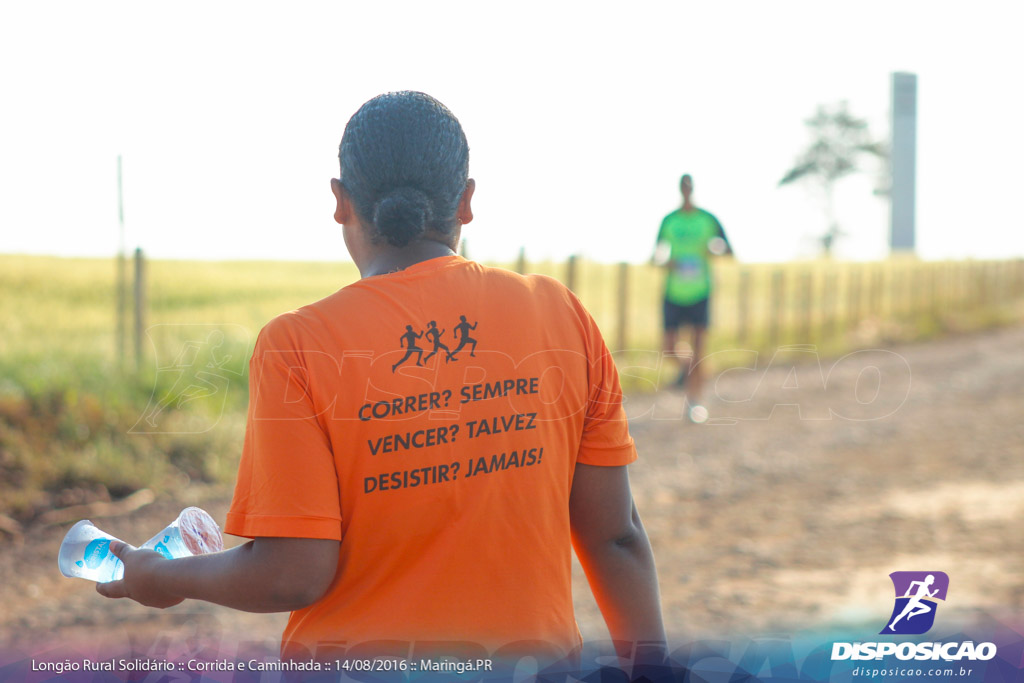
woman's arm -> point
(615, 553)
(263, 575)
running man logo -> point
(407, 341)
(916, 595)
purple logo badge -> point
(916, 593)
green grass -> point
(77, 420)
(70, 406)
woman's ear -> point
(343, 208)
(464, 214)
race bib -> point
(689, 268)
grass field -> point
(77, 422)
(69, 407)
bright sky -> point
(581, 116)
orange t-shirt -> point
(431, 420)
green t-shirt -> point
(687, 234)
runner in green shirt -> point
(687, 238)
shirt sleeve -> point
(719, 230)
(287, 481)
(606, 440)
(662, 237)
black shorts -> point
(676, 315)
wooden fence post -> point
(806, 299)
(981, 278)
(970, 292)
(968, 286)
(895, 292)
(913, 287)
(906, 292)
(956, 285)
(918, 302)
(140, 305)
(1005, 281)
(777, 292)
(949, 286)
(1008, 281)
(975, 285)
(829, 296)
(570, 273)
(122, 278)
(122, 308)
(877, 289)
(853, 295)
(869, 304)
(961, 294)
(623, 307)
(743, 307)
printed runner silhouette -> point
(408, 341)
(916, 605)
(462, 329)
(434, 335)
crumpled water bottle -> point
(85, 551)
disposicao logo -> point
(913, 613)
(916, 593)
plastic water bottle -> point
(193, 533)
(85, 551)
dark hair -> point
(404, 163)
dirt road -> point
(788, 510)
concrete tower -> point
(903, 162)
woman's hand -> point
(140, 582)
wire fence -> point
(834, 306)
(829, 304)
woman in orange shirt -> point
(431, 501)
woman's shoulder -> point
(299, 327)
(533, 289)
(529, 281)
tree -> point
(839, 141)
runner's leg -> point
(695, 369)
